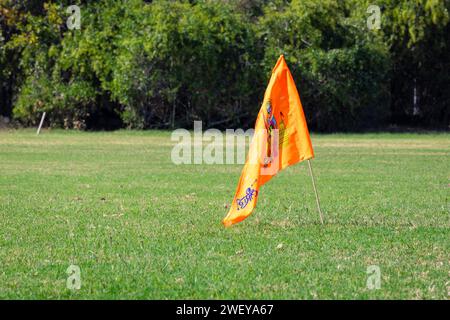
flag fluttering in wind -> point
(281, 139)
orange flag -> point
(281, 139)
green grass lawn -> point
(140, 227)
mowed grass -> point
(140, 227)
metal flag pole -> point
(315, 190)
(40, 124)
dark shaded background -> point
(163, 64)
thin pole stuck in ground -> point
(315, 191)
(40, 124)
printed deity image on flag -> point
(274, 132)
(281, 139)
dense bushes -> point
(340, 68)
(418, 33)
(166, 63)
(189, 62)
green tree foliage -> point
(418, 35)
(161, 64)
(341, 68)
(45, 86)
(186, 62)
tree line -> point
(164, 64)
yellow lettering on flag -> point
(281, 139)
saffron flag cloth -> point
(281, 139)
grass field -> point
(140, 227)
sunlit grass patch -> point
(139, 226)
